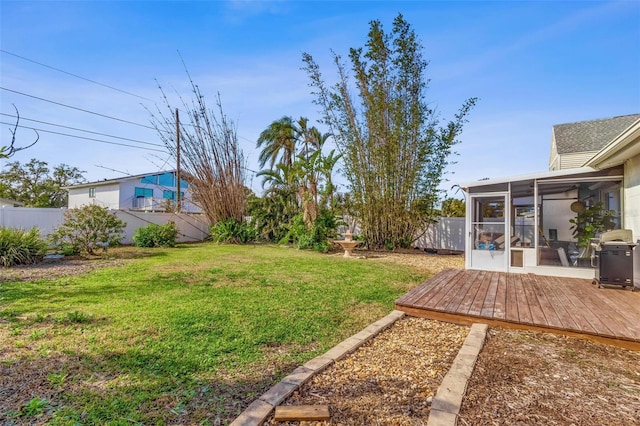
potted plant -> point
(590, 221)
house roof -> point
(592, 135)
(116, 180)
(626, 145)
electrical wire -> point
(84, 138)
(78, 109)
(79, 130)
(76, 76)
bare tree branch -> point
(10, 150)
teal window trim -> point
(143, 192)
(171, 195)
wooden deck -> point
(569, 306)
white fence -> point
(191, 227)
(447, 234)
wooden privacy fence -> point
(191, 227)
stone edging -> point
(445, 406)
(258, 411)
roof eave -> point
(619, 149)
(530, 176)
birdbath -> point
(347, 244)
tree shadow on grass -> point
(97, 389)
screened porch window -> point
(571, 215)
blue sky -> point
(531, 64)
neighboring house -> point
(524, 223)
(572, 144)
(145, 192)
(10, 203)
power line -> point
(77, 76)
(81, 130)
(81, 137)
(78, 109)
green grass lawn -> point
(189, 335)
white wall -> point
(26, 218)
(632, 196)
(556, 215)
(191, 227)
(106, 196)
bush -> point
(156, 235)
(231, 231)
(87, 229)
(317, 237)
(18, 246)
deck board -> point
(512, 300)
(489, 303)
(551, 314)
(499, 306)
(566, 305)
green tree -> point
(36, 185)
(395, 150)
(88, 229)
(278, 143)
(294, 149)
(274, 210)
(453, 207)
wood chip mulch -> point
(388, 381)
(533, 378)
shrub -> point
(87, 229)
(315, 238)
(231, 231)
(156, 235)
(18, 246)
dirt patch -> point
(55, 269)
(415, 258)
(73, 265)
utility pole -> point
(178, 198)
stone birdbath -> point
(348, 244)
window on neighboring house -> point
(171, 195)
(144, 192)
(167, 180)
(92, 193)
(153, 179)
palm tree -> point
(279, 141)
(328, 162)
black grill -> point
(615, 261)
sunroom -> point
(542, 223)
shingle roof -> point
(590, 135)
